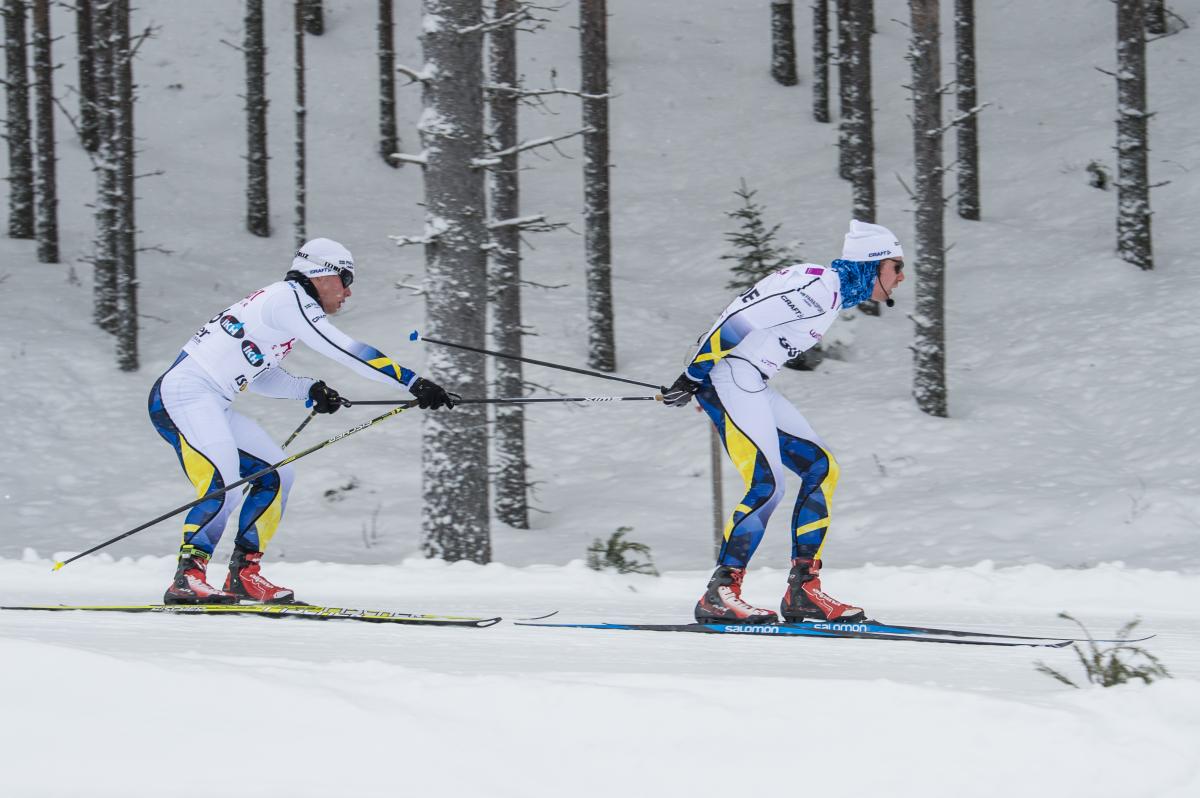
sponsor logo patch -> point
(253, 354)
(233, 327)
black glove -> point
(680, 392)
(324, 399)
(431, 395)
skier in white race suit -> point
(242, 348)
(782, 315)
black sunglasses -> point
(347, 277)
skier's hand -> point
(430, 395)
(680, 392)
(324, 399)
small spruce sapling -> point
(756, 253)
(611, 555)
(757, 256)
(1113, 665)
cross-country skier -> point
(784, 314)
(242, 348)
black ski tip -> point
(539, 617)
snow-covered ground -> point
(121, 703)
(1067, 477)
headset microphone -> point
(891, 303)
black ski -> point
(312, 612)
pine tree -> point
(258, 217)
(511, 495)
(389, 139)
(756, 255)
(455, 518)
(18, 126)
(820, 83)
(783, 42)
(46, 222)
(929, 344)
(597, 194)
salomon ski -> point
(277, 611)
(863, 631)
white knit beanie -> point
(867, 242)
(322, 257)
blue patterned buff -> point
(858, 280)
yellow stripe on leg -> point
(197, 467)
(741, 508)
(741, 450)
(828, 486)
(814, 526)
(268, 523)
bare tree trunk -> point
(845, 30)
(1133, 146)
(929, 345)
(389, 139)
(127, 282)
(862, 118)
(258, 218)
(820, 91)
(455, 519)
(107, 213)
(593, 33)
(783, 42)
(715, 459)
(20, 146)
(89, 135)
(1156, 17)
(314, 17)
(860, 125)
(301, 113)
(511, 482)
(968, 128)
(47, 183)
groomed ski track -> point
(358, 706)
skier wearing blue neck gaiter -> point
(784, 314)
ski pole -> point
(291, 438)
(530, 400)
(394, 411)
(416, 336)
(300, 428)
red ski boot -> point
(189, 586)
(723, 600)
(246, 582)
(805, 601)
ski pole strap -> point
(366, 424)
(519, 400)
(416, 336)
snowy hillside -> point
(1067, 477)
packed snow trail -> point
(112, 704)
